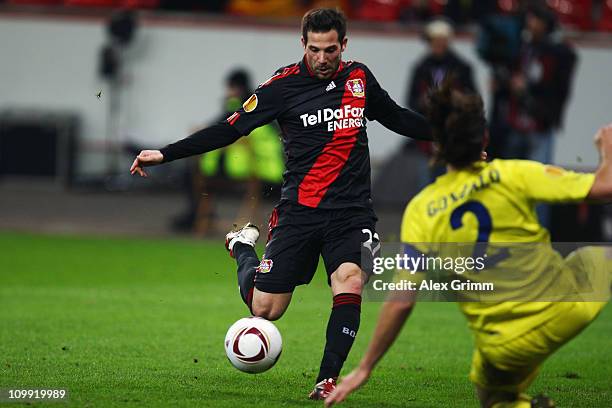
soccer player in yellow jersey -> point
(495, 202)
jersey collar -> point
(306, 68)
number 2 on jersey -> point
(485, 226)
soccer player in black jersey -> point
(322, 104)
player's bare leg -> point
(348, 278)
(270, 306)
(241, 245)
(347, 283)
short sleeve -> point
(260, 108)
(414, 243)
(551, 184)
(411, 230)
(414, 234)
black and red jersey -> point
(323, 125)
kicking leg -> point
(270, 306)
(247, 261)
(241, 246)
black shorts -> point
(298, 235)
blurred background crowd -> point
(577, 14)
(89, 83)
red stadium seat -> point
(36, 2)
(92, 3)
(130, 4)
(381, 10)
(139, 4)
(576, 14)
(436, 7)
(605, 24)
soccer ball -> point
(253, 344)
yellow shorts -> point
(591, 267)
(513, 365)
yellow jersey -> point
(495, 202)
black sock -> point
(341, 331)
(247, 261)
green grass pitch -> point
(122, 322)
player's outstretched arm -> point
(146, 158)
(602, 186)
(202, 141)
(380, 107)
(406, 122)
(393, 315)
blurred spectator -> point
(440, 62)
(533, 94)
(539, 86)
(458, 11)
(498, 44)
(605, 20)
(258, 155)
(463, 11)
(254, 165)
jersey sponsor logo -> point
(346, 117)
(336, 152)
(250, 104)
(356, 87)
(265, 266)
(331, 86)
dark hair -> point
(458, 125)
(239, 77)
(323, 20)
(543, 12)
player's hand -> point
(146, 158)
(603, 141)
(350, 383)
